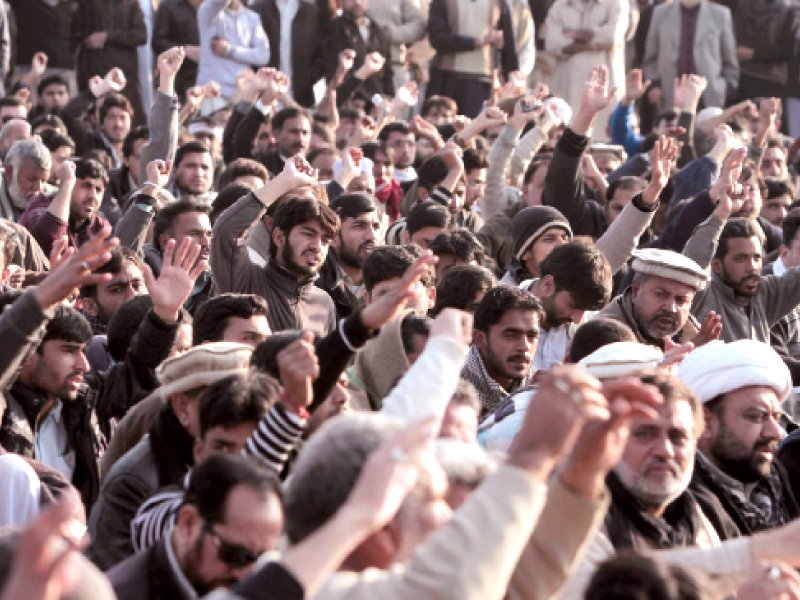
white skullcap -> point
(669, 265)
(717, 368)
(620, 359)
(560, 108)
(712, 112)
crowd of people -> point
(397, 299)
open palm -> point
(178, 274)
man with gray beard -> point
(27, 169)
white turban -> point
(717, 368)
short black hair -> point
(285, 114)
(114, 100)
(125, 323)
(55, 140)
(353, 204)
(474, 159)
(393, 127)
(236, 399)
(211, 318)
(412, 325)
(499, 300)
(11, 101)
(49, 80)
(738, 228)
(140, 132)
(459, 287)
(165, 217)
(581, 270)
(242, 167)
(390, 262)
(192, 147)
(790, 226)
(535, 165)
(777, 187)
(67, 325)
(119, 256)
(89, 168)
(295, 211)
(626, 183)
(51, 120)
(213, 480)
(461, 243)
(431, 172)
(427, 214)
(596, 333)
(437, 101)
(227, 197)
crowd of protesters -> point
(447, 300)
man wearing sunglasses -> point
(231, 514)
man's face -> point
(508, 347)
(460, 423)
(133, 161)
(425, 236)
(251, 331)
(618, 201)
(294, 137)
(740, 268)
(357, 239)
(194, 225)
(222, 440)
(422, 301)
(753, 200)
(560, 309)
(253, 522)
(742, 435)
(775, 209)
(54, 97)
(27, 180)
(354, 9)
(210, 141)
(541, 248)
(532, 194)
(382, 166)
(58, 368)
(117, 124)
(126, 284)
(404, 148)
(476, 186)
(195, 174)
(791, 254)
(447, 262)
(265, 141)
(773, 163)
(661, 306)
(303, 251)
(658, 460)
(86, 197)
(440, 115)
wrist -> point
(167, 314)
(590, 485)
(535, 461)
(291, 407)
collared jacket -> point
(292, 304)
(150, 575)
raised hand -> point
(169, 62)
(71, 269)
(347, 58)
(408, 93)
(180, 270)
(674, 353)
(220, 46)
(727, 192)
(710, 329)
(596, 95)
(115, 80)
(454, 324)
(97, 86)
(635, 86)
(526, 110)
(158, 172)
(390, 305)
(771, 581)
(688, 89)
(39, 64)
(298, 367)
(298, 172)
(664, 152)
(351, 166)
(65, 174)
(373, 62)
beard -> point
(291, 264)
(353, 258)
(15, 194)
(191, 568)
(654, 329)
(740, 286)
(651, 493)
(733, 457)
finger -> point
(181, 251)
(169, 252)
(192, 253)
(149, 279)
(199, 267)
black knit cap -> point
(530, 223)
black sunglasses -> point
(235, 556)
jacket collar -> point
(287, 283)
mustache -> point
(673, 465)
(767, 445)
(666, 315)
(520, 358)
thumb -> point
(669, 344)
(149, 278)
(307, 336)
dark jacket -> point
(176, 25)
(147, 575)
(332, 280)
(89, 420)
(44, 28)
(124, 22)
(160, 459)
(345, 34)
(309, 33)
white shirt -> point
(51, 443)
(288, 10)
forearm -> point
(164, 132)
(498, 159)
(529, 144)
(22, 327)
(274, 438)
(703, 243)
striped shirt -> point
(273, 439)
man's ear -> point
(182, 407)
(90, 306)
(479, 339)
(784, 250)
(422, 194)
(711, 428)
(188, 528)
(547, 286)
(716, 265)
(278, 237)
(406, 237)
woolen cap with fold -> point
(201, 366)
(620, 359)
(669, 265)
(530, 223)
